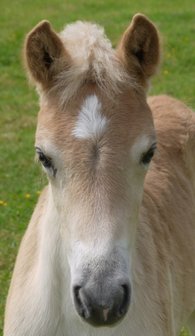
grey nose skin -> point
(102, 306)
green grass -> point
(20, 178)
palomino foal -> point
(110, 247)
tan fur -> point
(168, 209)
(72, 63)
(99, 188)
(44, 54)
(140, 49)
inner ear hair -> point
(47, 59)
(44, 53)
(139, 48)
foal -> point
(111, 240)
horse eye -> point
(45, 160)
(147, 157)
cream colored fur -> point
(163, 277)
(150, 217)
(93, 58)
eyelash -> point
(45, 160)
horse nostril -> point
(76, 290)
(126, 300)
(106, 308)
(79, 301)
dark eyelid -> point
(154, 146)
(147, 156)
(44, 159)
(38, 150)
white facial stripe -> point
(141, 145)
(90, 123)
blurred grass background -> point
(20, 179)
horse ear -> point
(139, 48)
(44, 54)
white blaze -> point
(91, 123)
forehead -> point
(95, 100)
(95, 118)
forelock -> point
(93, 60)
